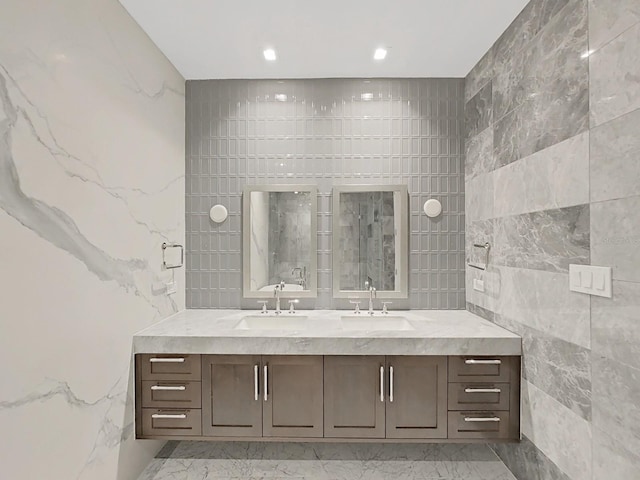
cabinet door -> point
(293, 396)
(354, 396)
(231, 402)
(417, 401)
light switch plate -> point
(478, 285)
(590, 280)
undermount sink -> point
(375, 323)
(272, 322)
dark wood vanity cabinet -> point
(406, 398)
(261, 396)
(231, 400)
(484, 397)
(293, 387)
(354, 396)
(417, 401)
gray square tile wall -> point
(325, 132)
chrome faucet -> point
(301, 277)
(372, 294)
(276, 293)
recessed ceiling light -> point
(269, 54)
(380, 54)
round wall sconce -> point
(432, 207)
(218, 213)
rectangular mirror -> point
(370, 240)
(279, 240)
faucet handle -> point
(357, 306)
(264, 306)
(384, 307)
(292, 308)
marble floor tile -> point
(262, 461)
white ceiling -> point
(208, 39)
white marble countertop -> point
(432, 332)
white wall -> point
(91, 184)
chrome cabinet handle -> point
(266, 381)
(167, 415)
(178, 388)
(391, 384)
(167, 360)
(472, 361)
(482, 390)
(481, 419)
(256, 396)
(381, 383)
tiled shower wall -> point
(325, 132)
(553, 178)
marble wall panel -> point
(563, 436)
(548, 68)
(559, 368)
(479, 197)
(552, 178)
(546, 240)
(615, 240)
(478, 111)
(615, 324)
(615, 158)
(533, 18)
(540, 123)
(614, 76)
(542, 300)
(479, 76)
(612, 458)
(91, 185)
(527, 462)
(479, 154)
(609, 19)
(616, 389)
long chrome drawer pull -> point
(176, 388)
(482, 390)
(472, 361)
(256, 395)
(391, 384)
(167, 360)
(381, 383)
(167, 415)
(266, 382)
(481, 419)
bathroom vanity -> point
(411, 376)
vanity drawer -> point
(479, 396)
(171, 394)
(169, 367)
(169, 422)
(475, 424)
(480, 369)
